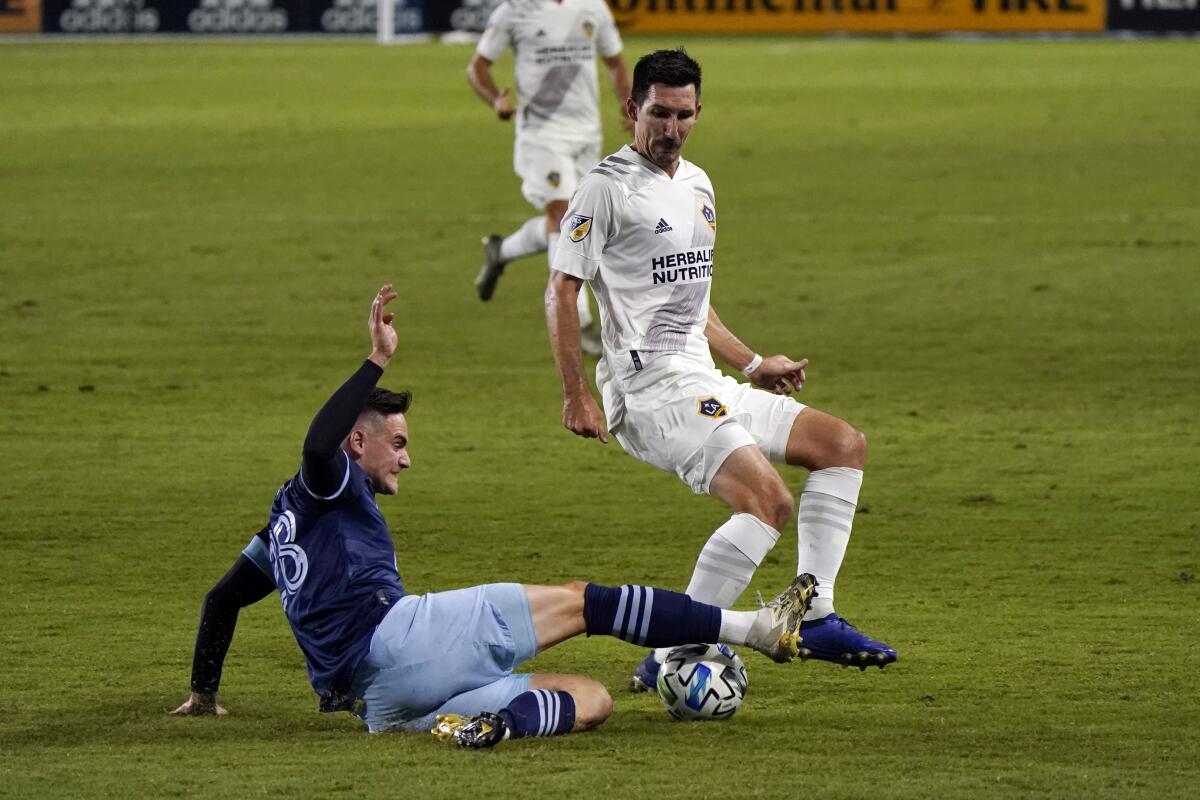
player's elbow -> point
(218, 602)
(476, 69)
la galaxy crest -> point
(589, 28)
(711, 407)
(553, 178)
(710, 216)
(579, 227)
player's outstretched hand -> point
(383, 335)
(198, 705)
(779, 374)
(503, 105)
(582, 417)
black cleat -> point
(492, 269)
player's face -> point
(662, 122)
(385, 452)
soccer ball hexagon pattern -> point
(702, 682)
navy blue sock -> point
(648, 616)
(539, 712)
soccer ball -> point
(702, 682)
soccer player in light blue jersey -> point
(441, 662)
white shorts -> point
(689, 425)
(551, 170)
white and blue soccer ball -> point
(702, 682)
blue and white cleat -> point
(835, 640)
(645, 677)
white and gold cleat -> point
(776, 631)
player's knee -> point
(778, 505)
(841, 445)
(773, 504)
(593, 705)
(852, 448)
(569, 599)
(576, 587)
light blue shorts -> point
(446, 653)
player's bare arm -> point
(581, 414)
(777, 373)
(618, 76)
(479, 73)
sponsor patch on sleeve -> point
(580, 226)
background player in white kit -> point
(640, 229)
(558, 134)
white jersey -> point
(644, 242)
(555, 44)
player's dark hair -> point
(668, 67)
(386, 403)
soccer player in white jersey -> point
(641, 229)
(558, 134)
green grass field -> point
(990, 252)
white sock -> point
(528, 239)
(727, 562)
(735, 627)
(823, 526)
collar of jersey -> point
(650, 165)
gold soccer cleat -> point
(776, 631)
(473, 733)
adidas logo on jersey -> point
(541, 32)
(662, 226)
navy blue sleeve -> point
(324, 465)
(244, 584)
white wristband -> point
(753, 365)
